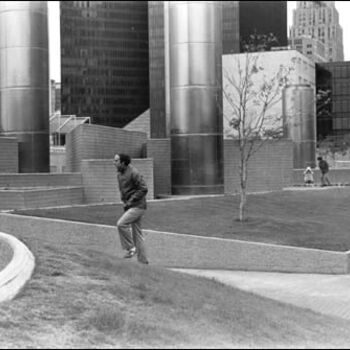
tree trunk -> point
(242, 204)
(243, 194)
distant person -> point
(308, 176)
(133, 190)
(324, 167)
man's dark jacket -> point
(323, 165)
(133, 188)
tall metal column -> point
(300, 123)
(195, 45)
(24, 81)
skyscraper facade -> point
(333, 90)
(104, 60)
(230, 27)
(317, 21)
(157, 69)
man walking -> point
(323, 165)
(133, 190)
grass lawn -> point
(311, 218)
(5, 254)
(80, 297)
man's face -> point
(120, 166)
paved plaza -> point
(326, 294)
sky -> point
(343, 8)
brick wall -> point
(141, 123)
(159, 150)
(40, 198)
(271, 168)
(100, 179)
(8, 155)
(40, 179)
(89, 141)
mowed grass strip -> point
(312, 218)
(79, 297)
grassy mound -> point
(80, 298)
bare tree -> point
(249, 98)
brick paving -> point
(326, 294)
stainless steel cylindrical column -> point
(300, 123)
(195, 44)
(24, 81)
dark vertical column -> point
(158, 54)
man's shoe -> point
(130, 253)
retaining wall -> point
(40, 198)
(89, 141)
(100, 179)
(159, 151)
(40, 179)
(8, 155)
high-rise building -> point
(317, 21)
(230, 27)
(310, 47)
(263, 18)
(104, 60)
(333, 89)
(158, 68)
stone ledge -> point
(15, 275)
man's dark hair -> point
(124, 158)
(319, 158)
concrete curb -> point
(15, 275)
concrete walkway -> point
(326, 294)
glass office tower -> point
(263, 17)
(333, 105)
(159, 93)
(230, 27)
(104, 60)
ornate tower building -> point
(316, 31)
